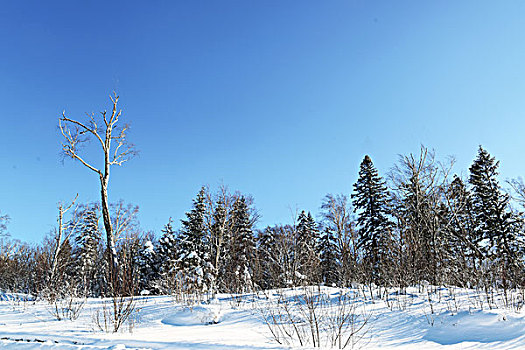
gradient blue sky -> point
(277, 99)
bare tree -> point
(518, 187)
(4, 219)
(336, 216)
(63, 233)
(116, 150)
(419, 184)
(124, 221)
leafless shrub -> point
(313, 317)
(348, 325)
(116, 312)
(121, 308)
(67, 307)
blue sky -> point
(277, 99)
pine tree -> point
(101, 283)
(490, 204)
(275, 254)
(417, 213)
(462, 221)
(267, 257)
(148, 269)
(458, 222)
(86, 253)
(166, 259)
(374, 227)
(497, 227)
(306, 254)
(329, 265)
(195, 254)
(64, 282)
(241, 249)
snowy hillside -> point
(451, 319)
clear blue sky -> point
(277, 99)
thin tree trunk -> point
(54, 263)
(112, 251)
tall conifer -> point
(374, 228)
(497, 229)
(194, 243)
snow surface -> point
(460, 320)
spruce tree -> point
(101, 282)
(463, 253)
(306, 253)
(417, 213)
(490, 204)
(148, 269)
(267, 256)
(241, 249)
(166, 259)
(374, 228)
(329, 266)
(497, 227)
(87, 242)
(194, 244)
(276, 245)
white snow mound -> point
(194, 316)
(482, 327)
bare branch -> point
(123, 151)
(72, 203)
(114, 115)
(71, 147)
(93, 130)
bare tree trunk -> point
(110, 239)
(58, 244)
(58, 239)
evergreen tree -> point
(86, 253)
(329, 265)
(462, 221)
(267, 257)
(275, 251)
(220, 237)
(101, 282)
(148, 269)
(497, 227)
(458, 221)
(194, 242)
(64, 282)
(419, 224)
(374, 227)
(490, 205)
(166, 259)
(306, 254)
(241, 249)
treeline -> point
(418, 224)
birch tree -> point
(110, 134)
(62, 236)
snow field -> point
(442, 319)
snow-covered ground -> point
(458, 319)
